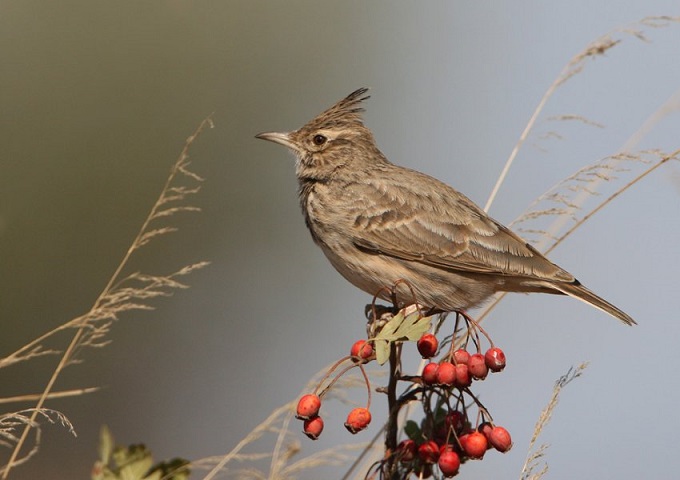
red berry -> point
(357, 420)
(455, 420)
(499, 438)
(361, 350)
(313, 427)
(461, 356)
(445, 447)
(463, 378)
(427, 345)
(449, 463)
(477, 366)
(430, 373)
(495, 359)
(446, 373)
(308, 407)
(407, 450)
(485, 429)
(474, 444)
(428, 452)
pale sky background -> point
(96, 99)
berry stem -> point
(477, 328)
(368, 386)
(339, 375)
(328, 374)
(479, 404)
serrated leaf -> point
(399, 328)
(413, 327)
(387, 331)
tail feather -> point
(576, 290)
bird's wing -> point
(440, 227)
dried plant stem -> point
(608, 200)
(670, 105)
(575, 65)
(530, 125)
(276, 462)
(63, 394)
(665, 159)
(543, 419)
(252, 436)
(33, 348)
(673, 103)
(364, 452)
(39, 405)
(140, 239)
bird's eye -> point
(319, 139)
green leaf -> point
(440, 415)
(382, 351)
(134, 462)
(137, 469)
(387, 332)
(105, 444)
(413, 327)
(175, 469)
(399, 329)
(412, 431)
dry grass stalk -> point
(535, 454)
(286, 447)
(121, 294)
(577, 216)
(63, 394)
(575, 66)
(13, 423)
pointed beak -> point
(280, 138)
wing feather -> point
(449, 232)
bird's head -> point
(331, 140)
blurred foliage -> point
(133, 463)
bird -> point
(381, 225)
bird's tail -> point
(580, 292)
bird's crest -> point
(347, 112)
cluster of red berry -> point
(456, 426)
(448, 454)
(309, 405)
(446, 436)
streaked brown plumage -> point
(378, 223)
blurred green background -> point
(97, 98)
